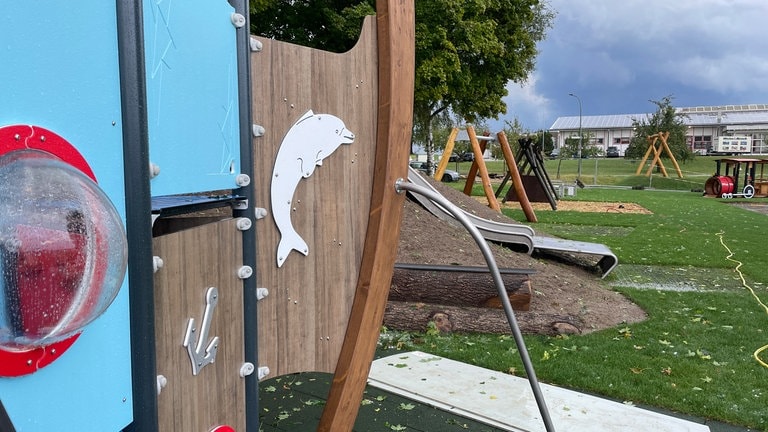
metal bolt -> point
(256, 45)
(42, 138)
(238, 20)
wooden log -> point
(412, 316)
(459, 286)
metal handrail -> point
(403, 185)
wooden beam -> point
(656, 156)
(517, 181)
(480, 164)
(396, 51)
(664, 136)
(447, 152)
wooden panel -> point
(303, 320)
(194, 260)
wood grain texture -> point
(517, 182)
(303, 320)
(411, 316)
(395, 29)
(194, 260)
(458, 288)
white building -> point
(705, 125)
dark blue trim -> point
(250, 324)
(130, 42)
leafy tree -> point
(545, 140)
(665, 119)
(332, 25)
(588, 149)
(467, 51)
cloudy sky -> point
(616, 55)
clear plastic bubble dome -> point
(63, 250)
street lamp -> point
(578, 177)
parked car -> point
(612, 152)
(454, 158)
(554, 154)
(418, 165)
(468, 157)
(448, 175)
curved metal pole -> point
(403, 185)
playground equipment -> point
(657, 144)
(755, 184)
(534, 179)
(109, 143)
(478, 144)
(518, 236)
(479, 168)
(190, 167)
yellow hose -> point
(744, 283)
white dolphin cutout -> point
(310, 140)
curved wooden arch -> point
(395, 115)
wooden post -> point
(645, 157)
(664, 136)
(470, 183)
(396, 53)
(480, 164)
(653, 139)
(447, 152)
(517, 182)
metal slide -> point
(517, 234)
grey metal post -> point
(580, 134)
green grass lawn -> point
(694, 353)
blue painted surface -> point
(59, 70)
(192, 99)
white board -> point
(506, 402)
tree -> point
(571, 147)
(665, 119)
(545, 140)
(326, 24)
(467, 51)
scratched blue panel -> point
(192, 98)
(59, 70)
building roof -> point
(754, 114)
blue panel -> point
(192, 99)
(60, 71)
